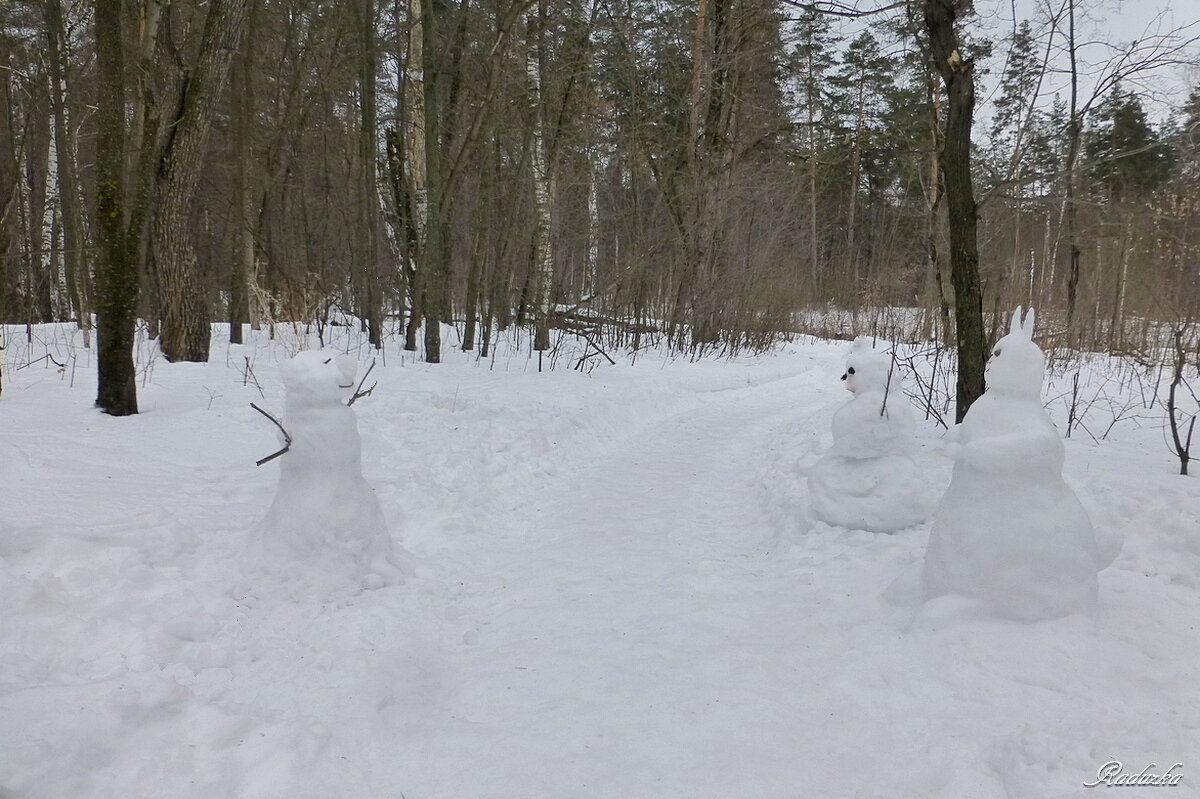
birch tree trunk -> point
(855, 175)
(415, 158)
(73, 235)
(541, 257)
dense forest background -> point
(700, 171)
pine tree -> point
(812, 60)
(1189, 134)
(1017, 86)
(1128, 157)
(864, 82)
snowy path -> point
(618, 595)
(644, 600)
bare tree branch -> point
(287, 438)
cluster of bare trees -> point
(610, 168)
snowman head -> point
(316, 377)
(1017, 365)
(866, 367)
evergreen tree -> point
(1189, 134)
(862, 85)
(1017, 85)
(811, 61)
(1128, 156)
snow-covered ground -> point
(618, 592)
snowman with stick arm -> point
(1009, 531)
(324, 510)
(868, 480)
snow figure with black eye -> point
(1009, 531)
(868, 480)
(324, 511)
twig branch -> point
(887, 389)
(287, 439)
(46, 357)
(249, 375)
(594, 346)
(848, 10)
(358, 392)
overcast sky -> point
(1098, 22)
(1116, 21)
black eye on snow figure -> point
(327, 360)
(996, 352)
(850, 371)
(843, 376)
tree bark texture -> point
(957, 74)
(183, 296)
(116, 271)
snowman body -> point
(868, 479)
(1009, 531)
(323, 507)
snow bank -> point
(617, 592)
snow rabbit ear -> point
(1014, 326)
(1027, 325)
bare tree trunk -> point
(142, 159)
(855, 173)
(41, 184)
(186, 317)
(934, 192)
(1181, 443)
(814, 248)
(73, 234)
(433, 248)
(241, 97)
(116, 273)
(415, 141)
(1074, 132)
(368, 183)
(541, 259)
(479, 252)
(957, 74)
(1116, 335)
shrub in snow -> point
(1009, 531)
(868, 480)
(323, 508)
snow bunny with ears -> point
(1009, 531)
(1017, 365)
